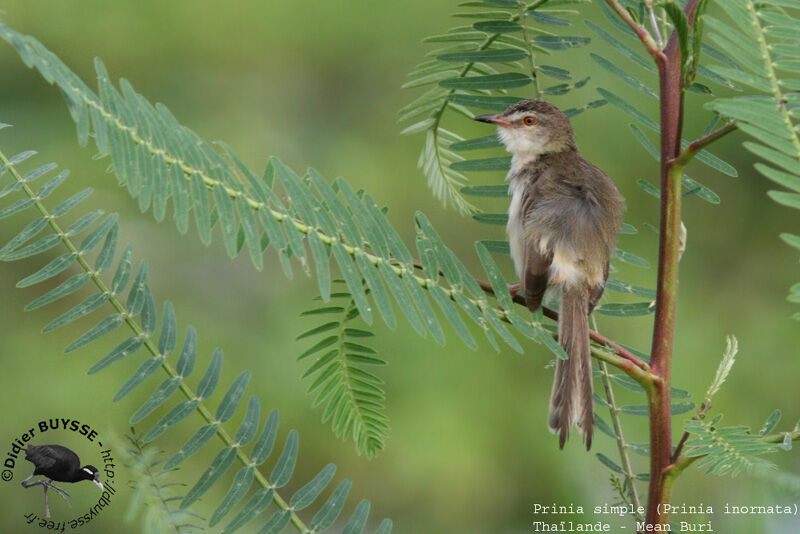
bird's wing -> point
(535, 277)
(536, 258)
(52, 454)
(43, 456)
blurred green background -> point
(318, 84)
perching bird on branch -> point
(563, 222)
(60, 464)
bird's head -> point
(90, 472)
(531, 128)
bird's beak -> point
(99, 484)
(498, 119)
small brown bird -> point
(563, 222)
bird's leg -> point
(46, 507)
(61, 492)
(45, 484)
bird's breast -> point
(514, 227)
(552, 237)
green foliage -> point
(469, 90)
(768, 111)
(352, 397)
(729, 450)
(726, 450)
(148, 146)
(640, 76)
(681, 24)
(455, 91)
(138, 314)
(151, 502)
(474, 69)
(306, 220)
(724, 368)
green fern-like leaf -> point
(471, 91)
(337, 223)
(768, 111)
(153, 155)
(133, 305)
(474, 69)
(153, 491)
(351, 397)
(726, 450)
(640, 75)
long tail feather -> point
(572, 402)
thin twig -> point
(780, 436)
(617, 356)
(641, 31)
(701, 413)
(603, 340)
(529, 44)
(679, 448)
(654, 23)
(552, 314)
(696, 146)
(621, 445)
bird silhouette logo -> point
(57, 463)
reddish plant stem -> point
(679, 448)
(666, 299)
(671, 100)
(638, 29)
(603, 340)
(699, 415)
(552, 314)
(595, 336)
(696, 146)
(672, 103)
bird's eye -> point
(529, 120)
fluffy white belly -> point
(514, 228)
(565, 267)
(565, 270)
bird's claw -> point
(61, 492)
(46, 484)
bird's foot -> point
(66, 496)
(35, 483)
